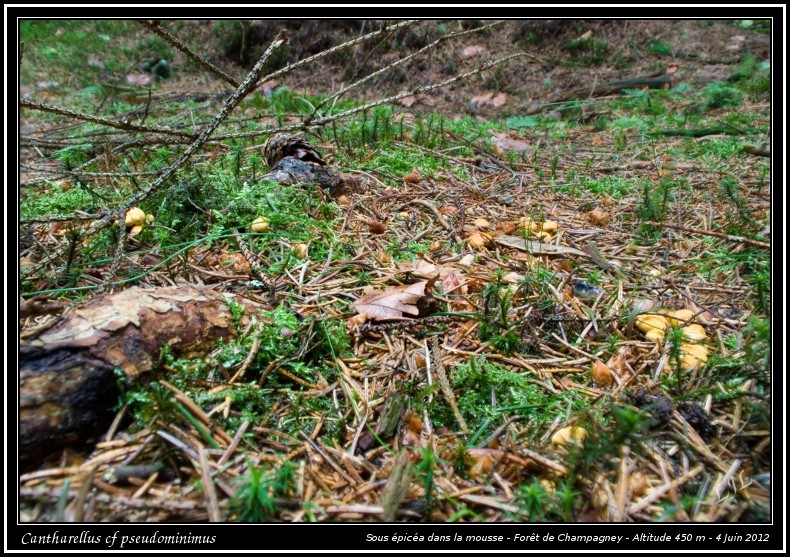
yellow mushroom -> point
(134, 217)
(480, 240)
(550, 226)
(482, 223)
(601, 374)
(678, 317)
(569, 435)
(638, 483)
(650, 322)
(301, 250)
(694, 332)
(261, 224)
(692, 355)
(528, 222)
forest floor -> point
(581, 274)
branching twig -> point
(136, 142)
(61, 171)
(116, 258)
(101, 121)
(420, 89)
(62, 218)
(367, 78)
(310, 59)
(732, 238)
(416, 91)
(230, 104)
(156, 28)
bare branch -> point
(116, 258)
(367, 78)
(418, 90)
(156, 28)
(62, 218)
(102, 121)
(61, 171)
(723, 236)
(230, 104)
(310, 59)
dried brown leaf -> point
(450, 282)
(418, 267)
(396, 302)
(503, 145)
(472, 50)
(140, 79)
(488, 99)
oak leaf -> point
(397, 302)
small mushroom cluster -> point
(543, 231)
(483, 237)
(135, 219)
(655, 325)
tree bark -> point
(68, 385)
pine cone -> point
(284, 145)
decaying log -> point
(68, 386)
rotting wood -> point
(68, 387)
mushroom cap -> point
(570, 435)
(134, 217)
(550, 226)
(301, 250)
(480, 239)
(694, 332)
(692, 355)
(260, 224)
(678, 317)
(651, 321)
(601, 374)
